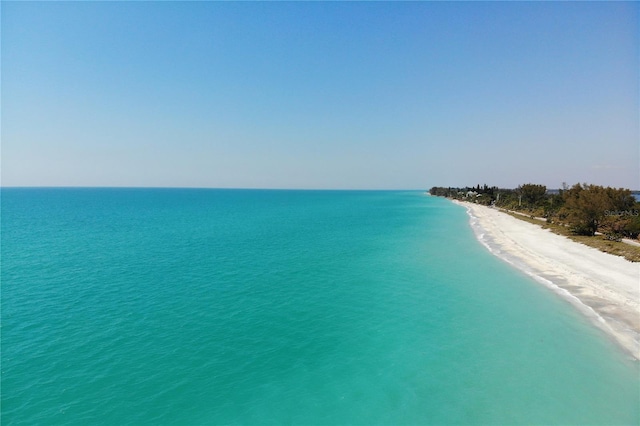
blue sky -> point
(320, 94)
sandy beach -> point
(603, 286)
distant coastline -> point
(597, 216)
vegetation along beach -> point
(604, 286)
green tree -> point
(532, 195)
(586, 207)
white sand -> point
(603, 286)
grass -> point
(629, 252)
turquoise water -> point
(176, 306)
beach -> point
(603, 286)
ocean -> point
(201, 306)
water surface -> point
(184, 306)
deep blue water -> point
(194, 306)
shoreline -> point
(604, 287)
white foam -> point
(612, 304)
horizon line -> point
(204, 187)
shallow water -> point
(183, 306)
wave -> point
(555, 285)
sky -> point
(320, 95)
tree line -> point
(584, 208)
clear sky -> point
(320, 94)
